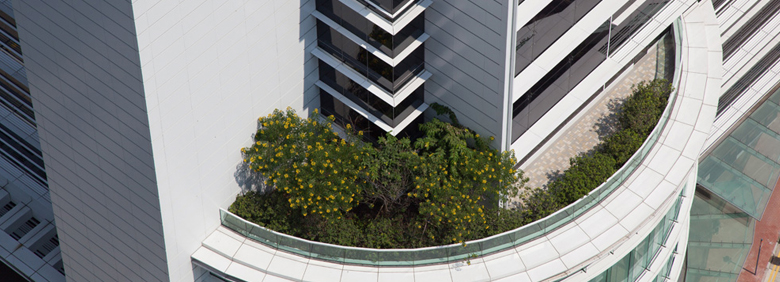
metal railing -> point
(480, 247)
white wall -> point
(210, 69)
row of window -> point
(374, 105)
(390, 78)
(546, 27)
(577, 65)
(372, 34)
(371, 132)
(367, 64)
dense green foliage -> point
(638, 116)
(442, 188)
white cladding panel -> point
(210, 69)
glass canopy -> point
(743, 169)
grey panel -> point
(467, 56)
(83, 65)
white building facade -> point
(141, 108)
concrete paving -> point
(585, 133)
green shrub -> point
(585, 174)
(638, 116)
(622, 145)
(442, 188)
(643, 108)
(386, 195)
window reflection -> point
(578, 64)
(372, 34)
(367, 64)
(374, 105)
(744, 167)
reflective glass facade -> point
(546, 27)
(372, 34)
(744, 167)
(391, 78)
(367, 64)
(665, 272)
(719, 240)
(378, 107)
(634, 264)
(577, 65)
(345, 115)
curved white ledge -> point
(594, 241)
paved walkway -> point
(584, 134)
(767, 229)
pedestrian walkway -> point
(767, 229)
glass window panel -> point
(768, 114)
(546, 27)
(367, 101)
(558, 82)
(634, 22)
(720, 236)
(742, 191)
(619, 271)
(775, 98)
(744, 167)
(639, 258)
(747, 161)
(755, 136)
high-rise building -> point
(28, 238)
(122, 123)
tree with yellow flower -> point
(309, 162)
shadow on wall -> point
(250, 180)
(247, 179)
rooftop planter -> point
(465, 250)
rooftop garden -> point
(442, 188)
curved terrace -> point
(593, 233)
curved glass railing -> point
(458, 252)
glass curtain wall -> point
(719, 240)
(546, 27)
(360, 96)
(665, 272)
(577, 65)
(368, 31)
(345, 115)
(631, 267)
(743, 169)
(390, 78)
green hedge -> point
(637, 117)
